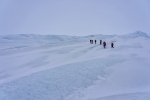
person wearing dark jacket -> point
(100, 42)
(112, 45)
(95, 41)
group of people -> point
(104, 43)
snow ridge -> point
(136, 34)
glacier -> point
(60, 67)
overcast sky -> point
(74, 17)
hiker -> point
(112, 45)
(100, 42)
(104, 44)
(95, 41)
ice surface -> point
(36, 67)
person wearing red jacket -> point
(104, 44)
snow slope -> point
(36, 67)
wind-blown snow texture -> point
(52, 67)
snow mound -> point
(136, 34)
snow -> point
(53, 67)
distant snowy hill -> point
(135, 35)
(31, 38)
(48, 38)
(26, 40)
(60, 67)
